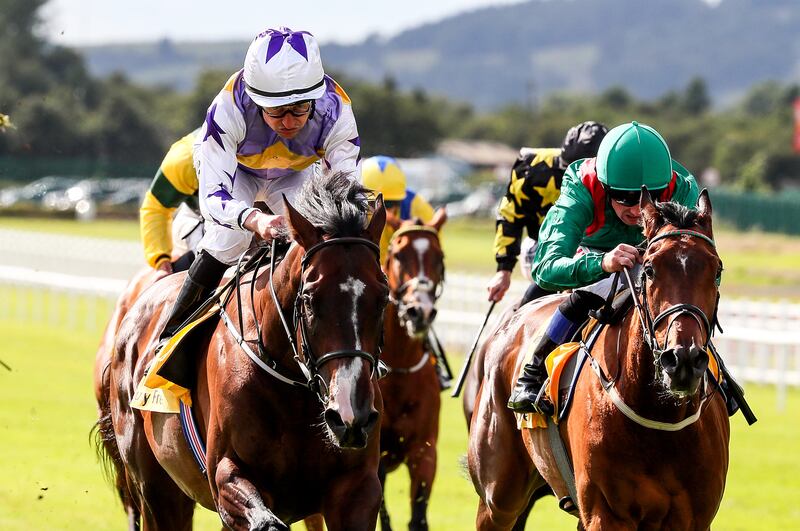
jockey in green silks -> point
(592, 231)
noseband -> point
(649, 324)
(415, 284)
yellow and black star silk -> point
(534, 187)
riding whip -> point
(468, 361)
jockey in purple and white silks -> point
(273, 125)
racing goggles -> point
(298, 110)
(629, 198)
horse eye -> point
(649, 271)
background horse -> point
(627, 475)
(410, 426)
(275, 452)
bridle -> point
(309, 364)
(650, 324)
(415, 284)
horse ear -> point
(439, 218)
(704, 211)
(392, 220)
(303, 232)
(650, 215)
(376, 224)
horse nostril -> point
(669, 360)
(334, 420)
(433, 314)
(413, 313)
(372, 420)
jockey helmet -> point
(283, 67)
(633, 155)
(382, 174)
(582, 141)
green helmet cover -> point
(632, 155)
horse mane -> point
(336, 204)
(679, 216)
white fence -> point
(761, 342)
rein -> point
(309, 364)
(649, 325)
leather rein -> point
(309, 364)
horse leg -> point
(239, 504)
(422, 469)
(352, 505)
(386, 524)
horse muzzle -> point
(417, 318)
(683, 368)
(351, 433)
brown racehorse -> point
(667, 468)
(277, 451)
(410, 426)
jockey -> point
(173, 187)
(592, 231)
(383, 175)
(263, 133)
(533, 189)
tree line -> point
(56, 109)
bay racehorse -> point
(410, 427)
(647, 434)
(283, 443)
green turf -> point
(50, 479)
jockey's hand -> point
(265, 225)
(620, 257)
(498, 286)
(165, 266)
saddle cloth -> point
(156, 393)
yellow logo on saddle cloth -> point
(156, 393)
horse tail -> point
(107, 450)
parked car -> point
(29, 197)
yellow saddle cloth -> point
(156, 393)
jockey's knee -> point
(577, 307)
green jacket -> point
(582, 217)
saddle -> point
(162, 389)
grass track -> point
(50, 479)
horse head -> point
(680, 277)
(340, 303)
(415, 271)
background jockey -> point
(532, 190)
(592, 231)
(273, 125)
(173, 187)
(383, 175)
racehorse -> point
(647, 434)
(410, 427)
(285, 443)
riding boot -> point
(444, 380)
(528, 394)
(204, 275)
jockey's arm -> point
(216, 162)
(174, 183)
(556, 266)
(343, 146)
